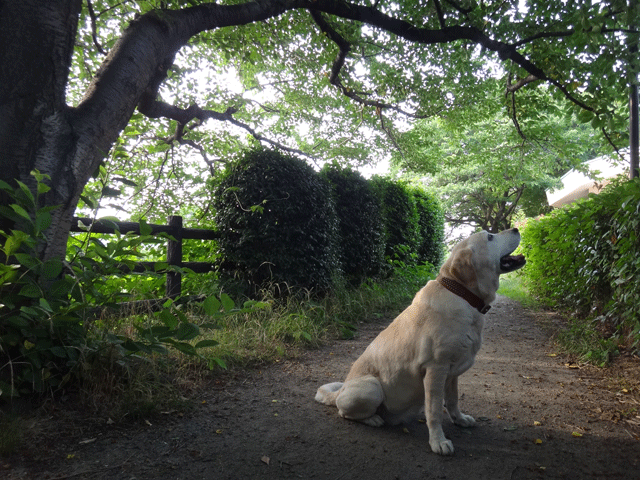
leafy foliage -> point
(484, 171)
(360, 223)
(401, 217)
(277, 224)
(586, 256)
(274, 75)
(430, 227)
(48, 327)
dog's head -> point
(478, 261)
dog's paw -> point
(464, 420)
(442, 447)
(373, 421)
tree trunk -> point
(36, 44)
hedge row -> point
(586, 257)
(283, 224)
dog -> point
(415, 362)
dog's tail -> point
(328, 393)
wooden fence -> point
(174, 245)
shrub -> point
(430, 227)
(277, 224)
(400, 217)
(360, 223)
(47, 328)
(587, 257)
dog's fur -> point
(415, 362)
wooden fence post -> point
(174, 257)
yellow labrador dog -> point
(415, 362)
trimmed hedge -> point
(430, 227)
(360, 223)
(283, 225)
(400, 214)
(277, 223)
(586, 257)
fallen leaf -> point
(537, 423)
(110, 422)
(552, 354)
(576, 434)
(266, 460)
(90, 440)
(483, 419)
(147, 422)
(219, 431)
(405, 430)
(538, 441)
(70, 456)
(510, 428)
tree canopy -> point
(326, 79)
(484, 170)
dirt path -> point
(536, 417)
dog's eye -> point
(490, 237)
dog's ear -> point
(462, 268)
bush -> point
(430, 227)
(587, 257)
(277, 224)
(360, 223)
(48, 330)
(400, 216)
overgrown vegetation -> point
(49, 329)
(585, 258)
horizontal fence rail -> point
(174, 245)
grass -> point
(285, 327)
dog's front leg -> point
(451, 403)
(434, 384)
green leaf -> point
(43, 220)
(30, 290)
(168, 318)
(145, 229)
(211, 306)
(206, 343)
(52, 268)
(227, 303)
(187, 331)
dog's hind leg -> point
(327, 393)
(359, 400)
(451, 404)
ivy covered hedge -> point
(586, 257)
(283, 224)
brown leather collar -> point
(460, 290)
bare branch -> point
(94, 28)
(158, 109)
(439, 13)
(520, 83)
(334, 78)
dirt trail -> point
(536, 417)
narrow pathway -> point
(537, 418)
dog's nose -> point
(515, 230)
